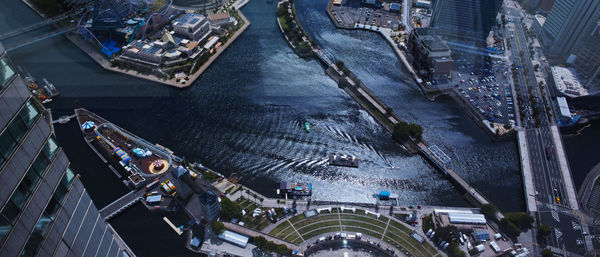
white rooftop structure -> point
(211, 42)
(564, 107)
(466, 218)
(234, 238)
(438, 211)
(567, 83)
(540, 19)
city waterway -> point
(246, 115)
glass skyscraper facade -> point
(44, 208)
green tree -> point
(428, 223)
(510, 228)
(230, 210)
(218, 227)
(547, 253)
(489, 211)
(259, 241)
(403, 131)
(455, 250)
(282, 249)
(544, 231)
(521, 219)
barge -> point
(295, 189)
(343, 160)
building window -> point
(16, 130)
(26, 188)
(5, 227)
(6, 71)
(45, 222)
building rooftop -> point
(540, 19)
(566, 82)
(218, 16)
(466, 218)
(563, 106)
(234, 238)
(189, 20)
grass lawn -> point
(305, 222)
(282, 229)
(291, 237)
(364, 225)
(363, 219)
(406, 241)
(323, 230)
(317, 225)
(297, 218)
(400, 227)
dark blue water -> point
(245, 115)
(493, 167)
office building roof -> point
(189, 20)
(566, 82)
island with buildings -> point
(158, 41)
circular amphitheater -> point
(299, 229)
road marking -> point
(385, 230)
(296, 230)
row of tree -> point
(404, 130)
(268, 246)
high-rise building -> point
(545, 5)
(587, 59)
(44, 208)
(567, 23)
(472, 17)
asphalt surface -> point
(485, 88)
(348, 15)
(552, 201)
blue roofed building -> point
(395, 7)
(480, 235)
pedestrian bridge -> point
(325, 56)
(22, 30)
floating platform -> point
(343, 160)
(295, 189)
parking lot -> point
(485, 87)
(348, 14)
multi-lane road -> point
(548, 178)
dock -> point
(121, 204)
